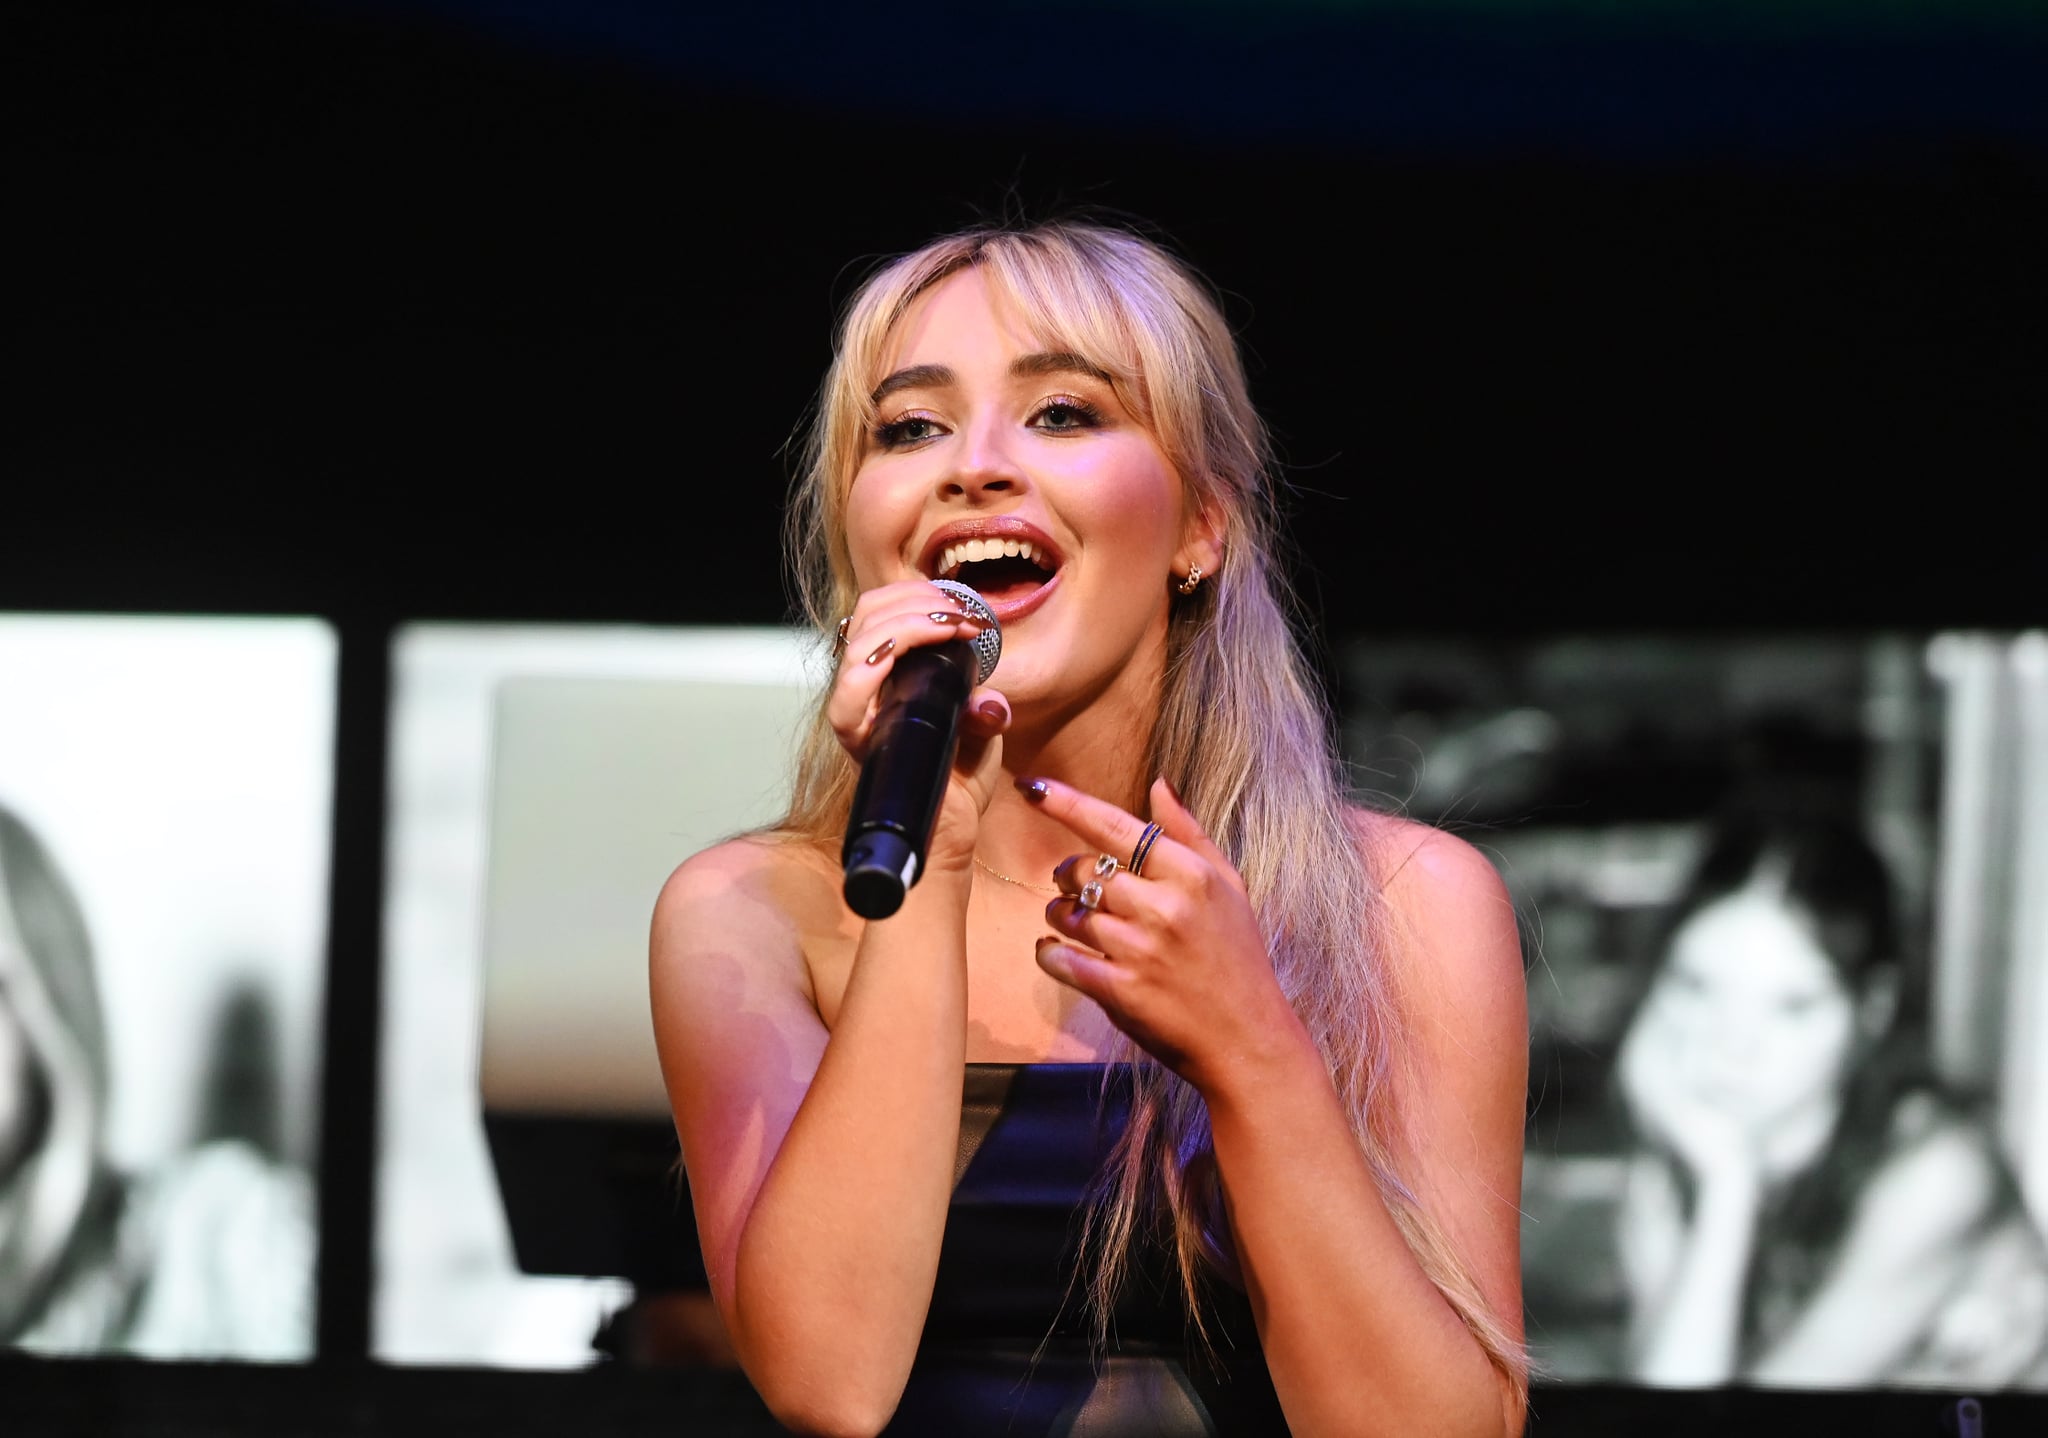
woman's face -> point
(1001, 462)
(1751, 1015)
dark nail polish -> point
(1034, 789)
(882, 652)
(991, 711)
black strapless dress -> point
(1006, 1348)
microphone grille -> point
(988, 645)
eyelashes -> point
(1074, 414)
(1057, 414)
(902, 433)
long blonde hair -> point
(1242, 733)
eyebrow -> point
(1042, 362)
(1057, 362)
(918, 376)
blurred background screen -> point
(544, 781)
(1783, 908)
(165, 790)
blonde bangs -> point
(1111, 298)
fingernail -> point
(940, 616)
(990, 710)
(1034, 789)
(882, 652)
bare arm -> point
(1687, 1272)
(822, 1163)
(1897, 1262)
(1894, 1265)
(1686, 1331)
(821, 1166)
(1358, 1338)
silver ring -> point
(1090, 897)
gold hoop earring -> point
(1187, 586)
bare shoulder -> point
(1453, 924)
(1449, 943)
(1939, 1179)
(762, 885)
(749, 871)
(732, 926)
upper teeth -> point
(967, 552)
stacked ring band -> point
(1145, 842)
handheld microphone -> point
(917, 730)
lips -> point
(1012, 564)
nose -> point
(984, 463)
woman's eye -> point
(906, 431)
(1066, 414)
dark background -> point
(1567, 317)
(1563, 318)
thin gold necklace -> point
(996, 873)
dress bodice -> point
(1006, 1346)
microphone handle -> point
(903, 779)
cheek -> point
(1136, 497)
(1676, 1013)
(1822, 1042)
(876, 522)
(1804, 1057)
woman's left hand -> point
(1174, 953)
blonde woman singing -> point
(1180, 1096)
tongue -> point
(1001, 580)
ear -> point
(1203, 537)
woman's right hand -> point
(1706, 1137)
(886, 623)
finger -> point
(1091, 974)
(988, 713)
(881, 609)
(875, 641)
(1076, 872)
(1096, 821)
(933, 617)
(1111, 935)
(1072, 872)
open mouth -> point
(1002, 571)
